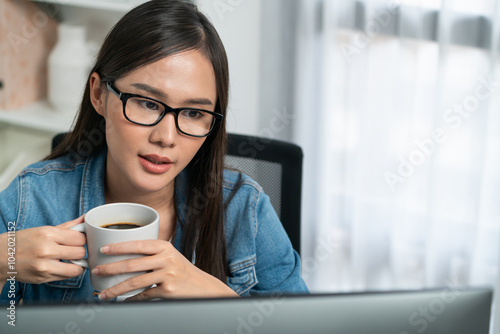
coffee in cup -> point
(121, 226)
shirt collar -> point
(93, 182)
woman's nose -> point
(165, 132)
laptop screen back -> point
(431, 312)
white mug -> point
(99, 236)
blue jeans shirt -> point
(260, 256)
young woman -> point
(150, 130)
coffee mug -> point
(113, 223)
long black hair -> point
(148, 33)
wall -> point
(277, 54)
(239, 25)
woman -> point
(129, 145)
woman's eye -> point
(149, 105)
(193, 114)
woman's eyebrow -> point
(160, 95)
(200, 101)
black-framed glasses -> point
(146, 111)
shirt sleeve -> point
(9, 208)
(278, 267)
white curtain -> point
(398, 113)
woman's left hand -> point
(173, 274)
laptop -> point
(437, 311)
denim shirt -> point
(260, 256)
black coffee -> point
(122, 226)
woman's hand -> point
(39, 249)
(173, 275)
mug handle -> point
(83, 262)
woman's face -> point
(147, 159)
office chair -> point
(275, 165)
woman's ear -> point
(97, 95)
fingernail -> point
(96, 271)
(102, 296)
(105, 249)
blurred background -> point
(394, 103)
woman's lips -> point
(155, 164)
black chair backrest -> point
(57, 139)
(275, 165)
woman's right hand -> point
(38, 251)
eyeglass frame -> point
(124, 97)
